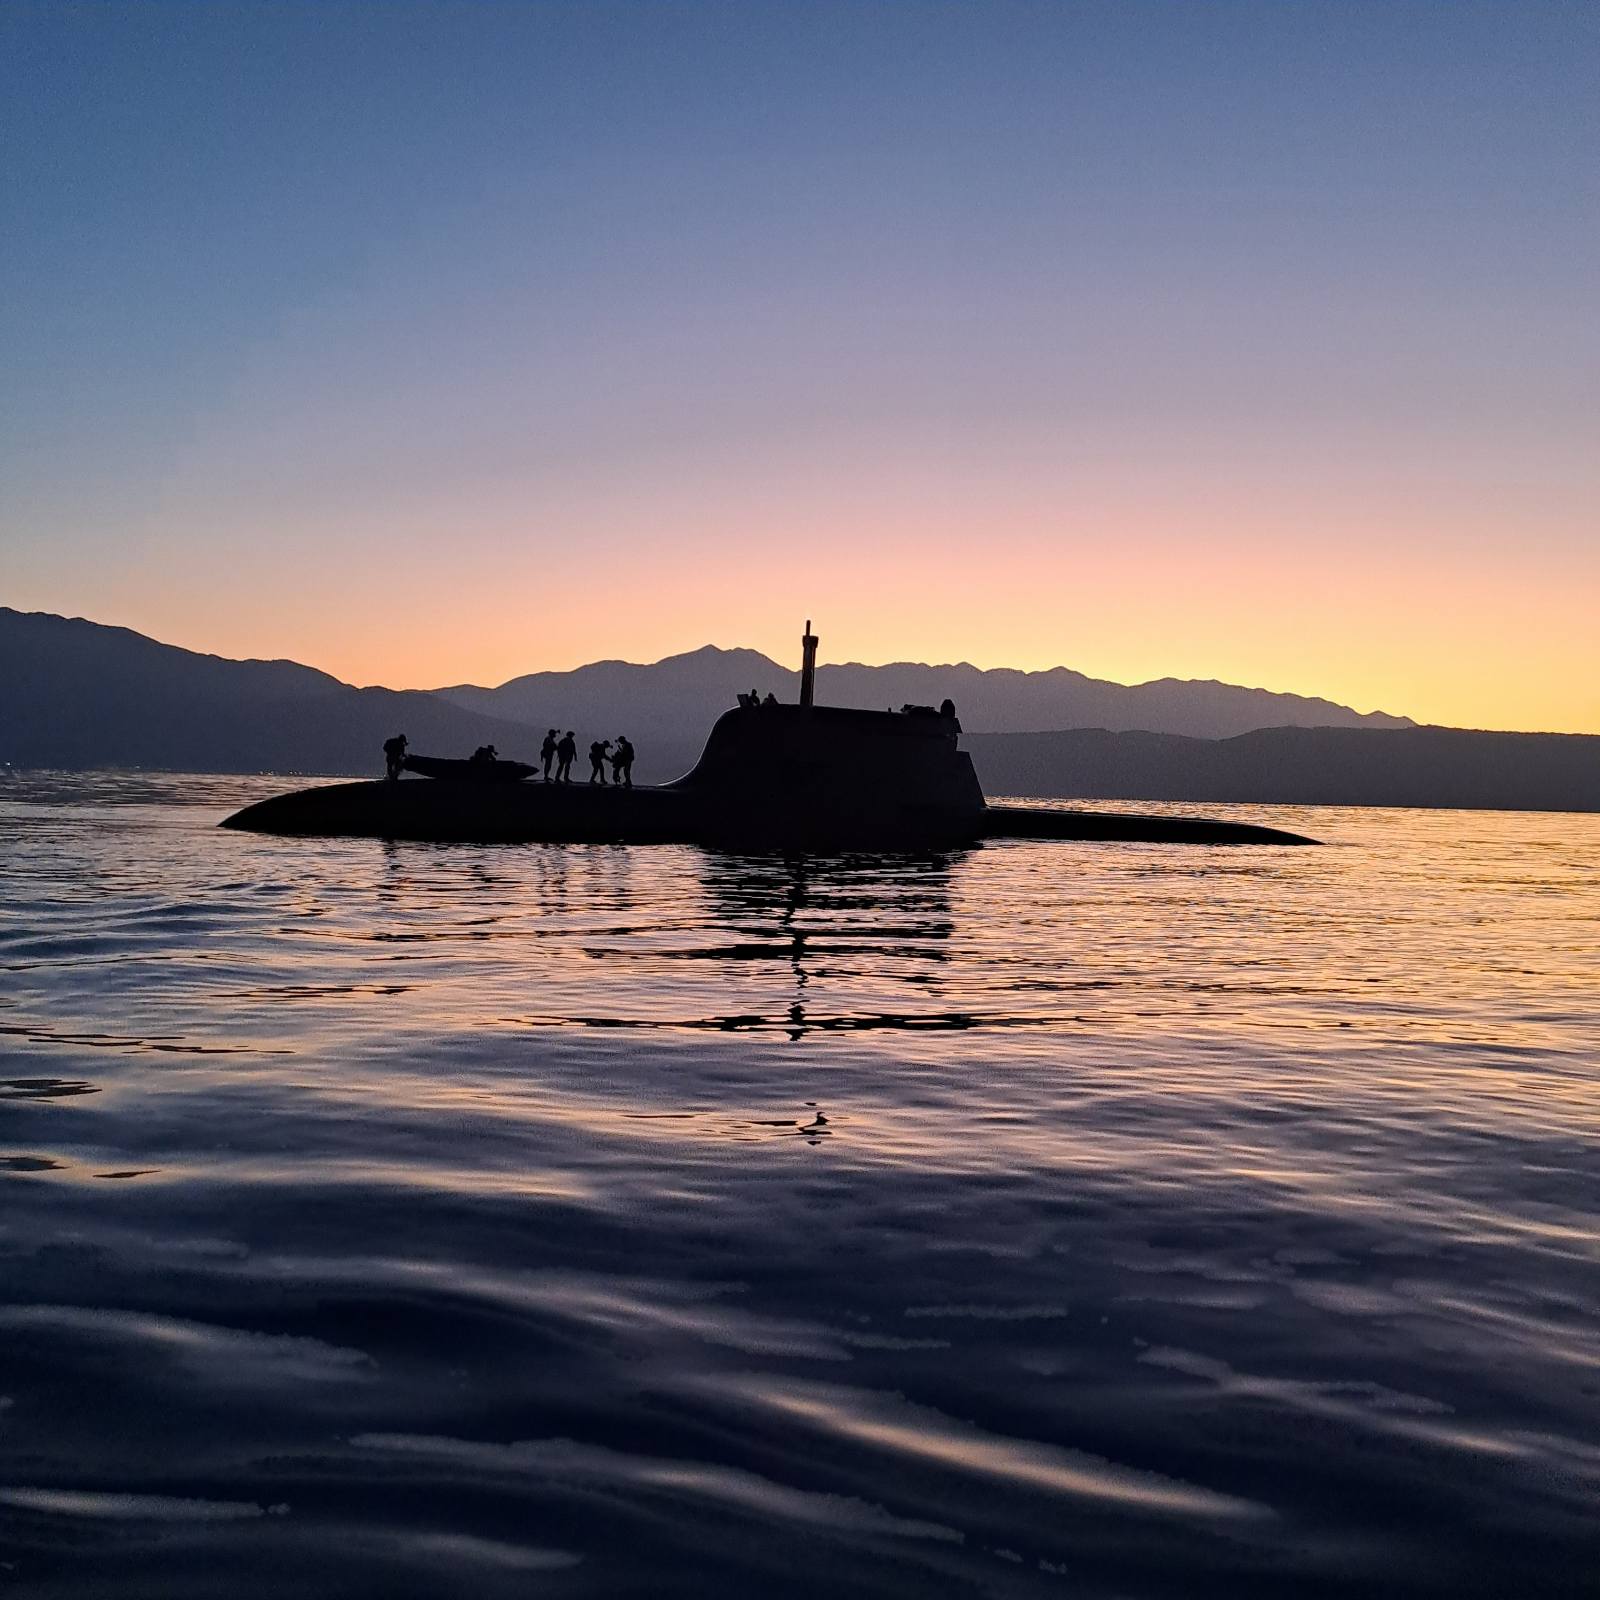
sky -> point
(439, 343)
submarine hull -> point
(447, 812)
(1132, 827)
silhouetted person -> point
(394, 756)
(597, 760)
(485, 754)
(566, 749)
(771, 699)
(547, 752)
(622, 763)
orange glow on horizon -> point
(1358, 639)
(1424, 608)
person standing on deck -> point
(394, 756)
(547, 752)
(597, 760)
(622, 763)
(566, 749)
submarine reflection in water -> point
(771, 776)
(827, 916)
(821, 937)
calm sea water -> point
(1035, 1220)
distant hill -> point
(1004, 700)
(679, 698)
(78, 694)
(1302, 766)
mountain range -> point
(80, 693)
(681, 696)
(76, 694)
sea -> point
(1090, 1220)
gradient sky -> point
(440, 343)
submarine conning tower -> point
(832, 769)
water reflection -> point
(833, 919)
(43, 1088)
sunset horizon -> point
(408, 674)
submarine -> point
(772, 776)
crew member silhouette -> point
(597, 760)
(394, 755)
(622, 763)
(547, 752)
(485, 753)
(566, 749)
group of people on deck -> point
(563, 751)
(557, 751)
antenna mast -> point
(808, 665)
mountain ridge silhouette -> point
(682, 692)
(80, 694)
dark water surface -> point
(1042, 1219)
